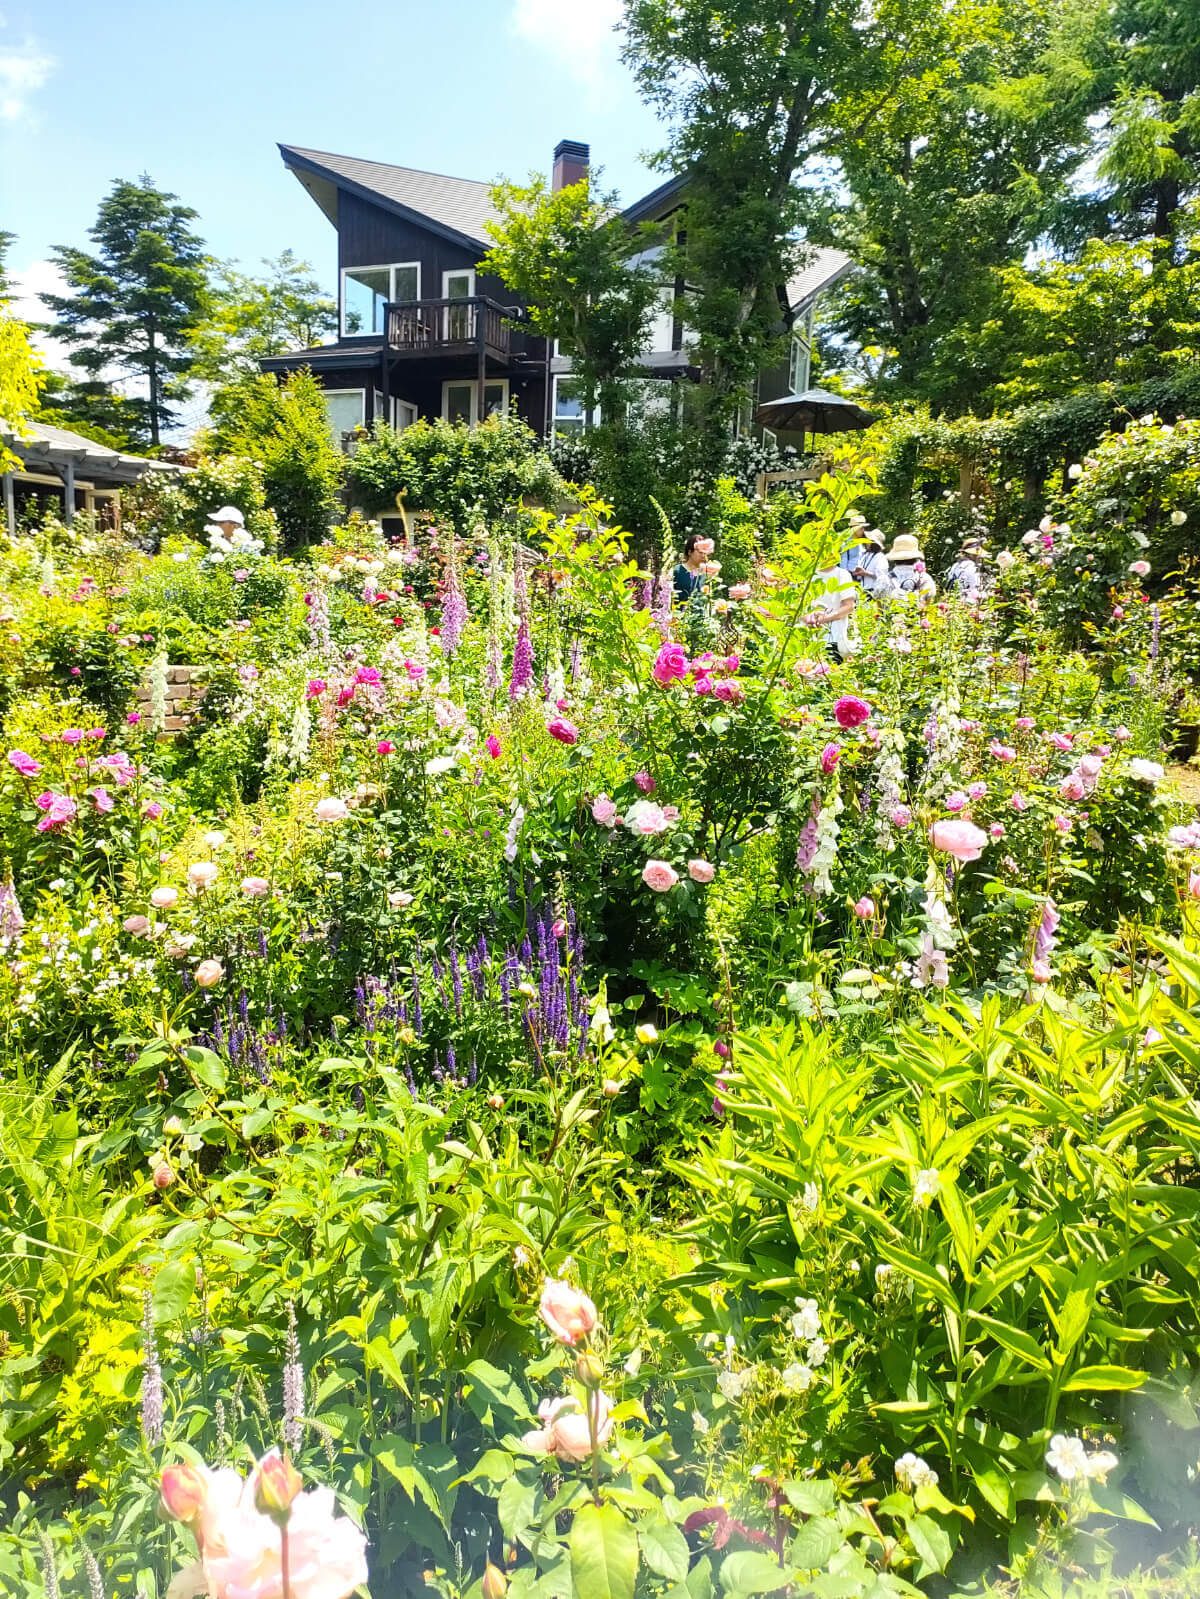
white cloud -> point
(577, 34)
(43, 277)
(24, 69)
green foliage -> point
(168, 507)
(20, 380)
(463, 473)
(284, 428)
(135, 303)
(577, 265)
(252, 317)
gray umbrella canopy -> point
(815, 411)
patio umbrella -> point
(815, 411)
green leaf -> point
(495, 1465)
(815, 1498)
(932, 1544)
(604, 1553)
(1015, 1340)
(399, 1456)
(207, 1068)
(996, 1488)
(751, 1571)
(173, 1288)
(815, 1545)
(491, 1390)
(664, 1549)
(1103, 1379)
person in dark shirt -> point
(689, 579)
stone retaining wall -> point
(185, 690)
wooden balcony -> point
(474, 326)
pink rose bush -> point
(961, 839)
(241, 1549)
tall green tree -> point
(753, 93)
(135, 303)
(956, 177)
(252, 317)
(285, 427)
(576, 263)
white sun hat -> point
(227, 513)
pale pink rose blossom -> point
(701, 871)
(331, 809)
(1121, 735)
(163, 898)
(567, 1311)
(740, 591)
(566, 1431)
(659, 876)
(1018, 802)
(956, 801)
(961, 839)
(997, 830)
(139, 926)
(865, 909)
(705, 546)
(209, 973)
(202, 874)
(604, 810)
(255, 887)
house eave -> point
(298, 163)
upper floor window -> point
(800, 363)
(367, 290)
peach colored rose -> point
(139, 926)
(566, 1432)
(202, 874)
(701, 871)
(568, 1312)
(209, 973)
(182, 1491)
(740, 591)
(659, 876)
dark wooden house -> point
(424, 332)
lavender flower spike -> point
(152, 1389)
(293, 1386)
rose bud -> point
(182, 1491)
(276, 1484)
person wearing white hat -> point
(906, 569)
(227, 518)
(870, 571)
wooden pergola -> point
(75, 467)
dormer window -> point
(367, 290)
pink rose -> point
(567, 1311)
(1025, 723)
(102, 799)
(567, 1430)
(900, 816)
(830, 756)
(865, 909)
(565, 732)
(1063, 823)
(316, 687)
(670, 664)
(138, 926)
(703, 685)
(25, 764)
(331, 809)
(163, 1175)
(95, 733)
(1060, 741)
(956, 801)
(732, 663)
(997, 830)
(704, 546)
(385, 747)
(152, 810)
(961, 839)
(492, 744)
(1193, 885)
(368, 674)
(976, 791)
(645, 782)
(659, 876)
(71, 735)
(850, 711)
(1001, 752)
(740, 591)
(209, 973)
(1122, 735)
(1072, 787)
(729, 691)
(255, 887)
(1090, 765)
(604, 810)
(701, 871)
(1019, 803)
(1140, 568)
(163, 898)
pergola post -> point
(10, 505)
(68, 477)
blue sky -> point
(198, 95)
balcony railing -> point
(433, 327)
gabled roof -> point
(822, 269)
(457, 208)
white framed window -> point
(345, 409)
(459, 320)
(661, 335)
(799, 363)
(367, 290)
(404, 414)
(460, 400)
(567, 414)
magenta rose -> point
(670, 664)
(565, 732)
(850, 711)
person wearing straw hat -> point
(852, 555)
(906, 569)
(965, 577)
(870, 572)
